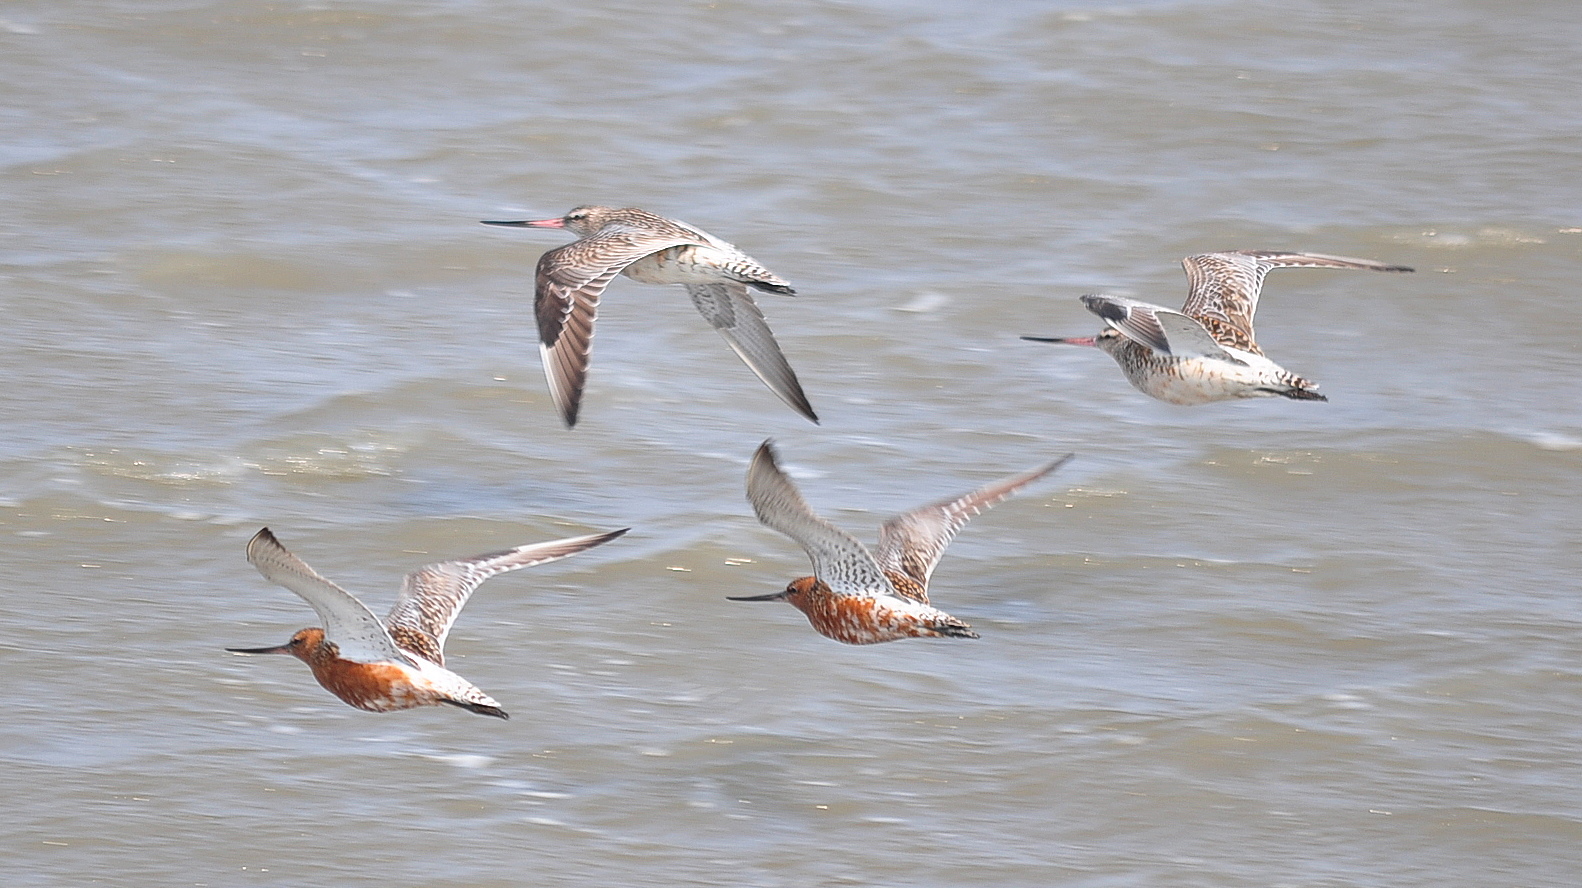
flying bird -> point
(1205, 352)
(397, 663)
(653, 250)
(856, 596)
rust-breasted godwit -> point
(398, 663)
(855, 596)
(653, 250)
(1205, 352)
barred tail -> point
(953, 628)
(480, 708)
(1301, 390)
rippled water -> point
(1253, 644)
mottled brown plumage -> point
(655, 250)
(1206, 351)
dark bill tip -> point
(1063, 340)
(276, 649)
(530, 223)
(772, 596)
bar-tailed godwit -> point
(856, 596)
(1205, 352)
(398, 663)
(653, 250)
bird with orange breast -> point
(397, 663)
(855, 596)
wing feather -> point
(569, 283)
(730, 309)
(347, 622)
(433, 595)
(1164, 330)
(839, 559)
(912, 543)
(1225, 286)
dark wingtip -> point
(607, 536)
(766, 450)
(1109, 311)
(797, 400)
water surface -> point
(1253, 644)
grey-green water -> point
(1256, 644)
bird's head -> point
(304, 645)
(795, 594)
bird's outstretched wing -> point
(1224, 287)
(730, 309)
(912, 543)
(347, 622)
(434, 594)
(1164, 330)
(570, 280)
(839, 559)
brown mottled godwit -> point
(1205, 352)
(653, 250)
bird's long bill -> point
(540, 223)
(1064, 340)
(772, 596)
(277, 649)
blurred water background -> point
(1255, 644)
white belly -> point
(679, 265)
(1192, 381)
